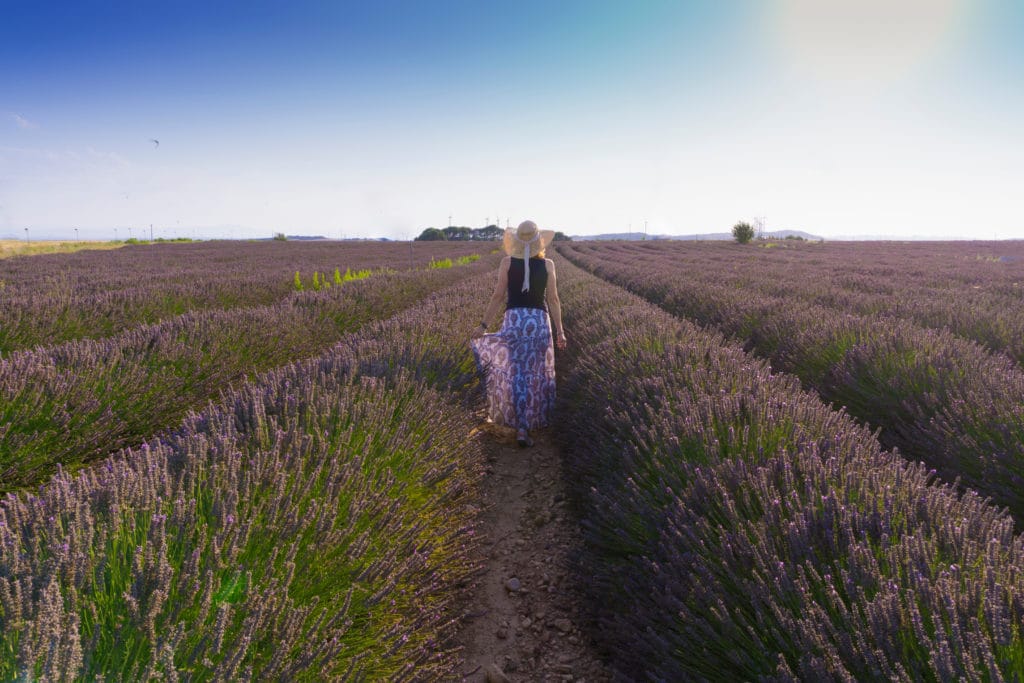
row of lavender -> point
(974, 289)
(90, 294)
(937, 397)
(736, 528)
(71, 403)
(316, 524)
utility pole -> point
(27, 240)
(76, 234)
(115, 234)
(150, 232)
(449, 220)
(645, 230)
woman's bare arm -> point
(555, 305)
(498, 296)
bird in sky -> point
(156, 143)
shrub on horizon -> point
(743, 232)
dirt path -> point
(524, 624)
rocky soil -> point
(526, 622)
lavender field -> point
(89, 294)
(738, 528)
(916, 340)
(790, 461)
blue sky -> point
(877, 117)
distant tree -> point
(491, 232)
(432, 235)
(743, 232)
(457, 234)
(280, 237)
(561, 237)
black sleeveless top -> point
(534, 298)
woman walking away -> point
(518, 360)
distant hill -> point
(707, 236)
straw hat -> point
(527, 240)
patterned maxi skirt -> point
(518, 362)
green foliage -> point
(322, 281)
(437, 265)
(487, 233)
(431, 235)
(455, 233)
(743, 232)
(351, 275)
(280, 237)
(491, 232)
(463, 260)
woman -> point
(518, 360)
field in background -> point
(23, 248)
(212, 472)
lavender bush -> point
(92, 294)
(316, 523)
(72, 403)
(937, 397)
(972, 289)
(738, 529)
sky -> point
(896, 118)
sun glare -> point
(867, 43)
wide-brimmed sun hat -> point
(525, 242)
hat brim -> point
(514, 246)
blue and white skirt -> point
(518, 364)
